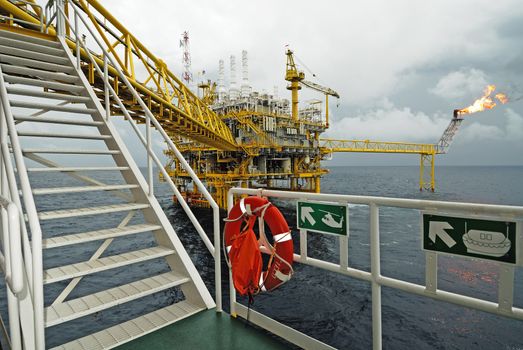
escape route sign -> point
(477, 238)
(322, 217)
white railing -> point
(152, 158)
(32, 249)
(503, 307)
(10, 258)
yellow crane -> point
(294, 77)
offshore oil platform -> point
(278, 143)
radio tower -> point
(186, 59)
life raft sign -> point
(471, 237)
(322, 217)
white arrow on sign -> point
(306, 215)
(437, 228)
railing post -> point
(150, 177)
(106, 87)
(77, 34)
(375, 274)
(60, 21)
(217, 258)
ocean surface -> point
(332, 308)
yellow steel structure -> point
(426, 151)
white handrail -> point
(504, 306)
(32, 217)
(12, 256)
(12, 266)
(151, 156)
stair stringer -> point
(196, 292)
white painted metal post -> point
(217, 261)
(344, 243)
(60, 21)
(506, 288)
(150, 177)
(77, 34)
(232, 291)
(431, 272)
(303, 245)
(375, 273)
(106, 87)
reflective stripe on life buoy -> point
(280, 265)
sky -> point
(401, 67)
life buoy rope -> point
(279, 269)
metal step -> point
(83, 268)
(56, 120)
(130, 330)
(43, 83)
(14, 51)
(90, 236)
(30, 39)
(14, 90)
(27, 62)
(63, 136)
(44, 74)
(70, 151)
(105, 209)
(77, 169)
(48, 107)
(106, 299)
(26, 45)
(76, 189)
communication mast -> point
(186, 58)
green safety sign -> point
(477, 238)
(322, 217)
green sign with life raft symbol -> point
(471, 237)
(321, 217)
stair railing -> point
(32, 249)
(11, 263)
(146, 140)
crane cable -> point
(314, 75)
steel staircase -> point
(92, 224)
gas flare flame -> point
(485, 101)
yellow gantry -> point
(426, 151)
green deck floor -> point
(206, 330)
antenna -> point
(186, 58)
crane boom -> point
(318, 87)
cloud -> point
(361, 50)
(512, 130)
(460, 83)
(478, 132)
(388, 122)
(514, 125)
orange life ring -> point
(280, 266)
